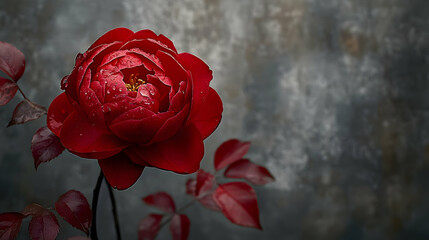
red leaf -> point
(179, 227)
(78, 238)
(10, 223)
(44, 226)
(253, 173)
(75, 209)
(191, 185)
(161, 200)
(33, 210)
(7, 90)
(205, 199)
(205, 182)
(149, 227)
(238, 203)
(12, 61)
(26, 111)
(229, 152)
(45, 146)
(208, 202)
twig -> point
(114, 211)
(96, 193)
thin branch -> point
(114, 211)
(95, 196)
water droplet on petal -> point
(80, 134)
(114, 88)
(108, 92)
(120, 89)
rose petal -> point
(140, 131)
(167, 42)
(142, 34)
(207, 119)
(172, 125)
(201, 77)
(79, 135)
(172, 69)
(148, 45)
(97, 155)
(181, 153)
(119, 171)
(117, 34)
(75, 78)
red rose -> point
(132, 101)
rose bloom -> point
(132, 101)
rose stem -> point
(114, 211)
(96, 193)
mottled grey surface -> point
(333, 95)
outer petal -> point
(142, 34)
(117, 34)
(119, 171)
(171, 125)
(79, 135)
(181, 153)
(201, 77)
(58, 111)
(208, 118)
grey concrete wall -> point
(333, 95)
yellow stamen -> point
(134, 83)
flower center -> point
(134, 83)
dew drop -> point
(86, 93)
(80, 68)
(114, 88)
(120, 89)
(80, 134)
(108, 92)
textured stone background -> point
(333, 95)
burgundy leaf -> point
(10, 223)
(208, 202)
(33, 210)
(205, 199)
(44, 226)
(7, 90)
(45, 146)
(205, 182)
(26, 111)
(191, 185)
(75, 209)
(253, 173)
(229, 152)
(12, 61)
(238, 203)
(78, 238)
(149, 227)
(179, 227)
(161, 200)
